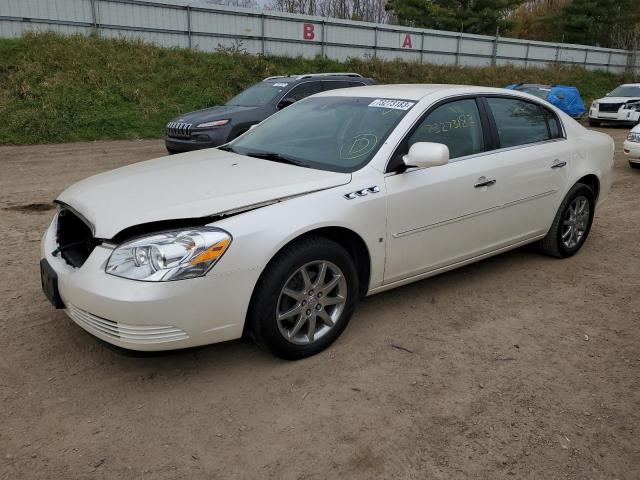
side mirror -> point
(285, 102)
(426, 154)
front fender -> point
(258, 235)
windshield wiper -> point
(226, 148)
(277, 157)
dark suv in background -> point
(215, 126)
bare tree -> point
(365, 10)
(233, 3)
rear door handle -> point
(558, 164)
(484, 182)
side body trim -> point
(452, 266)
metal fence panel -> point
(177, 23)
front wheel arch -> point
(351, 241)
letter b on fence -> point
(308, 32)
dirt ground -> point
(520, 366)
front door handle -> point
(558, 164)
(484, 182)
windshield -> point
(625, 91)
(340, 134)
(260, 94)
(539, 92)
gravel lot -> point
(520, 366)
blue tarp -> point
(564, 97)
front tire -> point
(634, 165)
(572, 223)
(594, 123)
(304, 298)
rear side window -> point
(520, 122)
(554, 125)
(304, 90)
(334, 84)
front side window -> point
(304, 90)
(455, 124)
(260, 94)
(340, 134)
(520, 122)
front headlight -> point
(594, 104)
(215, 123)
(634, 137)
(172, 255)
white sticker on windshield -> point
(396, 104)
(280, 84)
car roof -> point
(630, 85)
(410, 91)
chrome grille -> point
(179, 129)
(122, 331)
(610, 107)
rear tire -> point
(594, 123)
(172, 151)
(322, 303)
(571, 224)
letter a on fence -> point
(308, 32)
(407, 41)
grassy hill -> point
(61, 89)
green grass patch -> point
(60, 89)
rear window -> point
(539, 92)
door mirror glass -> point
(285, 102)
(426, 154)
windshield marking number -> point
(395, 104)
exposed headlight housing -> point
(634, 137)
(215, 123)
(171, 255)
(633, 105)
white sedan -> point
(345, 194)
(631, 147)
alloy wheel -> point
(576, 222)
(311, 302)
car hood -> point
(191, 185)
(213, 113)
(618, 99)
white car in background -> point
(345, 194)
(631, 147)
(622, 105)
